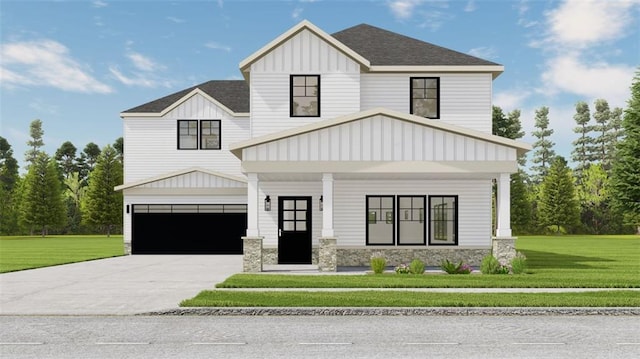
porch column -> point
(504, 206)
(327, 201)
(252, 242)
(503, 244)
(252, 205)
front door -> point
(294, 230)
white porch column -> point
(253, 229)
(504, 206)
(327, 201)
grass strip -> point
(411, 299)
(26, 252)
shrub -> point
(402, 269)
(416, 266)
(378, 264)
(490, 265)
(519, 263)
(452, 268)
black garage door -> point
(188, 229)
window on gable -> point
(187, 135)
(210, 134)
(425, 97)
(305, 96)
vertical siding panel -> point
(355, 129)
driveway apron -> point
(112, 286)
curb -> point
(400, 311)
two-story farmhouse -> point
(332, 148)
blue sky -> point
(77, 64)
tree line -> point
(70, 192)
(601, 193)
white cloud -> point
(99, 4)
(511, 99)
(175, 19)
(570, 73)
(484, 52)
(137, 79)
(580, 23)
(296, 13)
(471, 6)
(434, 19)
(144, 63)
(216, 46)
(43, 107)
(403, 9)
(45, 63)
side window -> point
(304, 96)
(187, 134)
(411, 220)
(380, 220)
(425, 96)
(210, 134)
(443, 220)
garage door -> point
(188, 229)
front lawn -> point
(18, 253)
(554, 262)
(411, 299)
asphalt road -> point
(319, 337)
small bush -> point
(452, 268)
(416, 266)
(519, 264)
(402, 269)
(378, 264)
(490, 265)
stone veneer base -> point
(361, 257)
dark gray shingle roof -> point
(386, 48)
(232, 93)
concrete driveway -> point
(121, 285)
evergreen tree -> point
(581, 153)
(36, 142)
(91, 152)
(615, 134)
(42, 207)
(626, 170)
(520, 203)
(558, 207)
(118, 145)
(543, 147)
(66, 155)
(74, 194)
(593, 196)
(602, 116)
(8, 166)
(103, 204)
(8, 181)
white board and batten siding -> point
(303, 54)
(379, 138)
(195, 180)
(465, 98)
(151, 143)
(474, 207)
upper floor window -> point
(209, 134)
(187, 134)
(425, 97)
(305, 96)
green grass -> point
(411, 299)
(554, 262)
(18, 253)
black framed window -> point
(443, 220)
(411, 220)
(425, 96)
(305, 96)
(380, 220)
(187, 134)
(210, 134)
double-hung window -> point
(203, 134)
(380, 220)
(304, 96)
(425, 96)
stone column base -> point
(127, 248)
(504, 249)
(328, 255)
(252, 254)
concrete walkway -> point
(121, 285)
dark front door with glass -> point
(294, 230)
